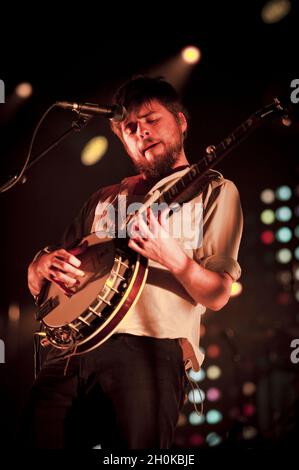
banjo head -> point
(87, 314)
(96, 261)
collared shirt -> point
(164, 308)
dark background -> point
(245, 64)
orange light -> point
(14, 312)
(213, 351)
(24, 90)
(191, 54)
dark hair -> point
(140, 90)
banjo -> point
(82, 318)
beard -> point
(162, 163)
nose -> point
(143, 131)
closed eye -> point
(131, 128)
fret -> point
(174, 190)
(167, 197)
(181, 184)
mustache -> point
(147, 144)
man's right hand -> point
(60, 266)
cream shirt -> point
(165, 309)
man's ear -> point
(183, 121)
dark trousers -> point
(126, 394)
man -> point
(128, 392)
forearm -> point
(206, 287)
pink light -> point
(213, 394)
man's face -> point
(153, 138)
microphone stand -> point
(76, 126)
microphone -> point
(116, 112)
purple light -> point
(213, 394)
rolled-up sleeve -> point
(222, 230)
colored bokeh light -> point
(267, 196)
(284, 235)
(283, 214)
(284, 255)
(284, 193)
(267, 216)
(213, 351)
(267, 237)
(213, 394)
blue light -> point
(214, 416)
(283, 214)
(197, 376)
(213, 439)
(196, 419)
(284, 234)
(284, 193)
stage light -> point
(283, 214)
(267, 196)
(196, 440)
(284, 235)
(14, 312)
(296, 231)
(284, 193)
(284, 277)
(191, 54)
(213, 439)
(197, 376)
(182, 421)
(296, 273)
(267, 237)
(24, 90)
(94, 150)
(236, 289)
(213, 351)
(248, 388)
(214, 417)
(196, 396)
(213, 394)
(196, 419)
(249, 432)
(296, 253)
(248, 410)
(267, 216)
(284, 255)
(275, 10)
(213, 372)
